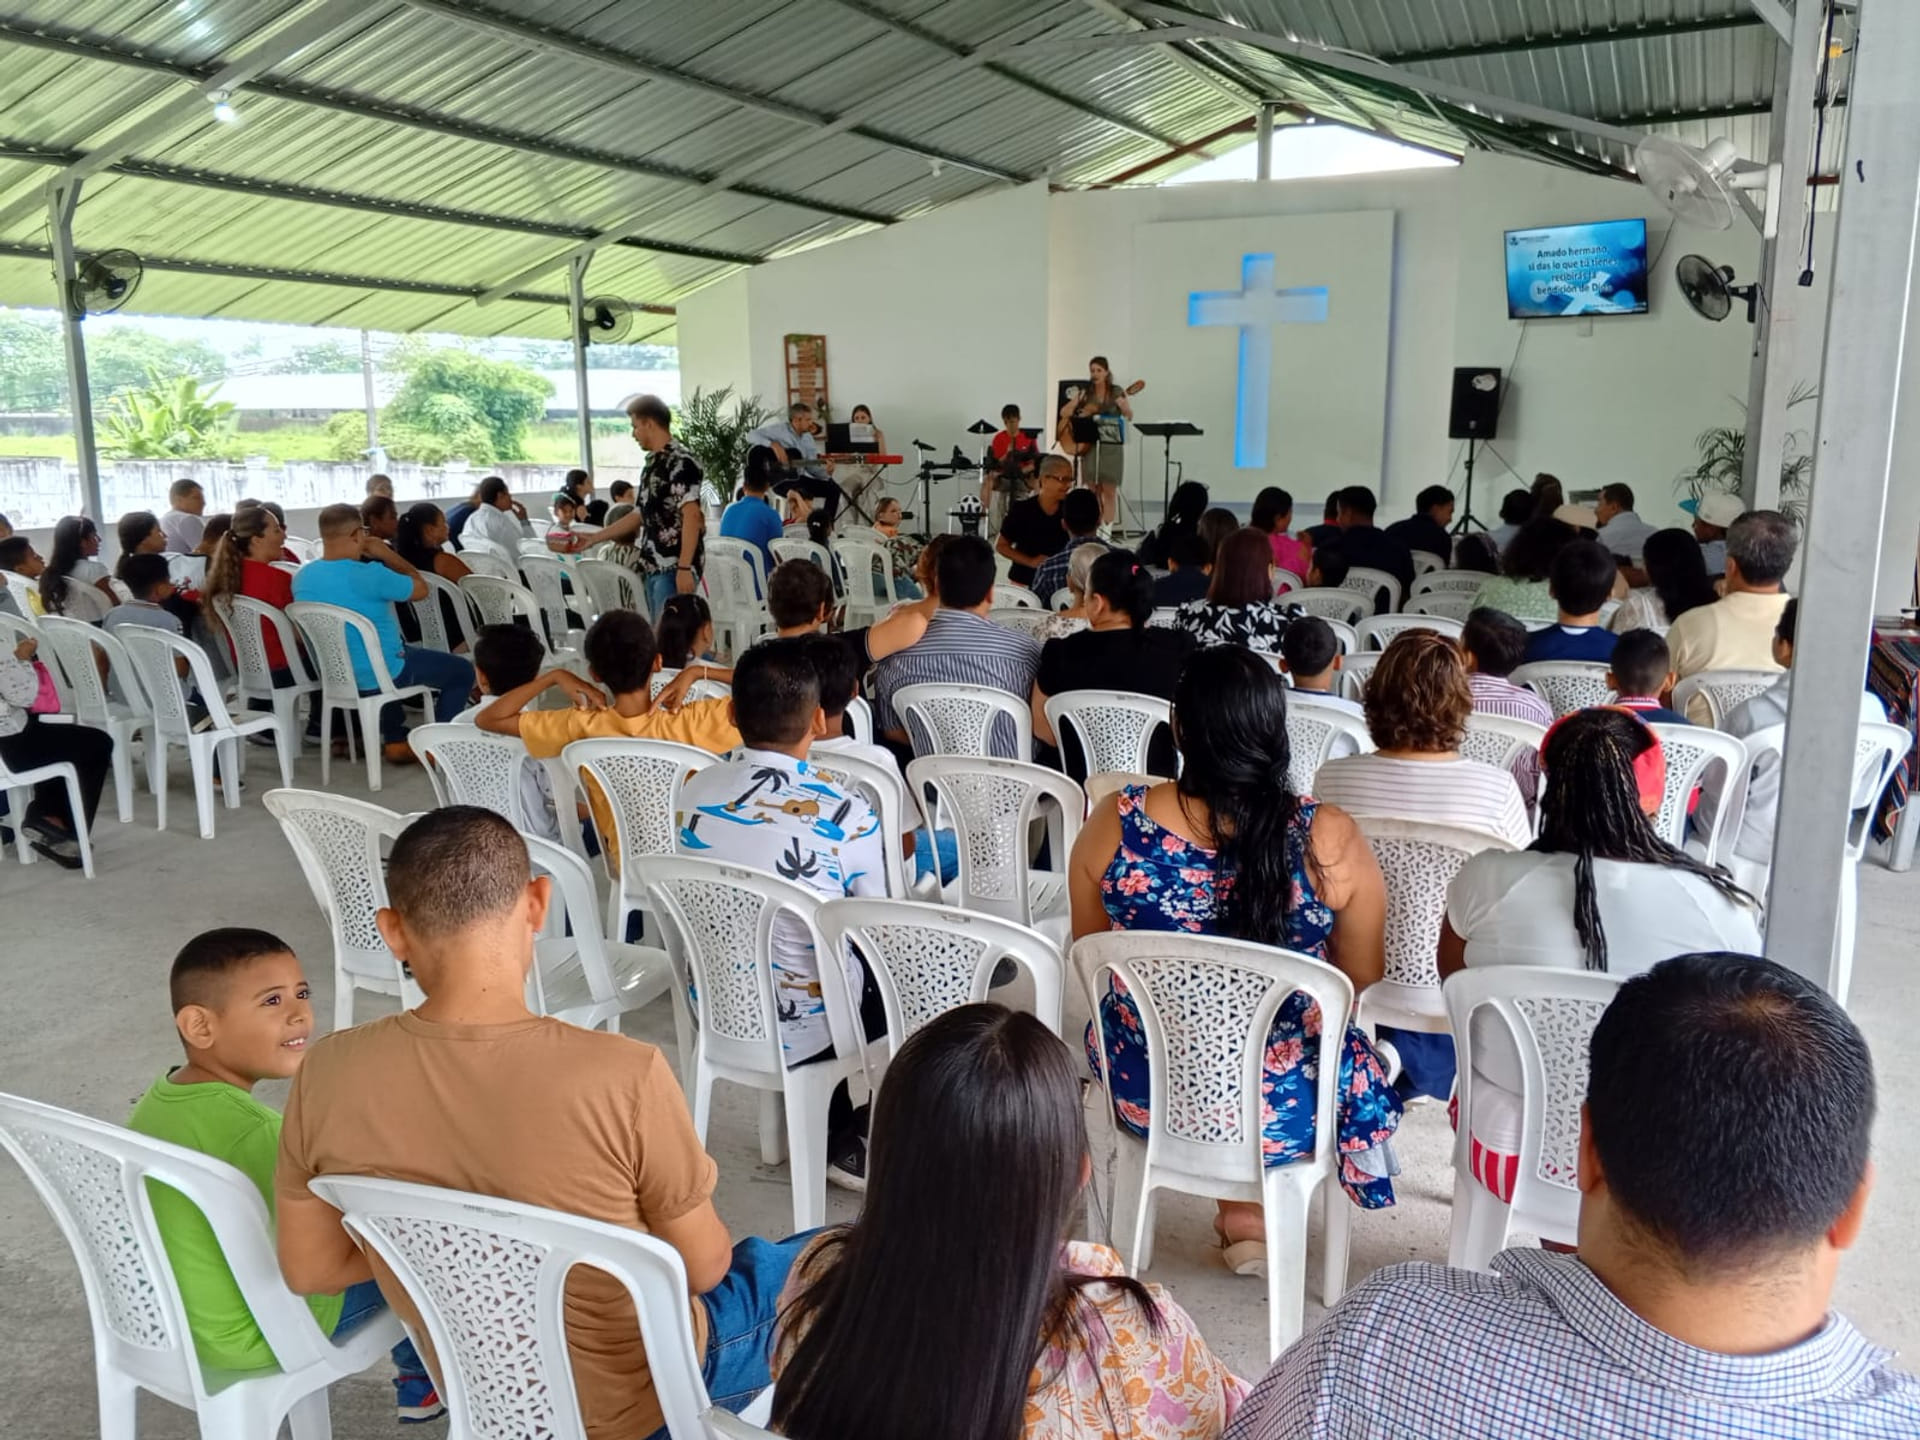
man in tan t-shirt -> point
(1736, 631)
(474, 1092)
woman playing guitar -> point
(1099, 400)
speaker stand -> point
(1468, 521)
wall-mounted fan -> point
(605, 319)
(1710, 290)
(1700, 186)
(104, 282)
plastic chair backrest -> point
(1377, 631)
(546, 576)
(1551, 1014)
(859, 560)
(338, 841)
(1285, 581)
(812, 551)
(72, 644)
(730, 587)
(470, 766)
(1566, 685)
(1356, 670)
(488, 1279)
(1419, 861)
(490, 562)
(1007, 596)
(93, 1177)
(1332, 603)
(1500, 740)
(991, 806)
(611, 585)
(154, 652)
(1466, 582)
(886, 792)
(432, 615)
(1454, 605)
(1376, 585)
(1313, 733)
(246, 625)
(1020, 617)
(332, 634)
(1690, 751)
(1879, 750)
(860, 720)
(699, 690)
(1164, 617)
(1115, 728)
(946, 719)
(1425, 562)
(640, 780)
(1723, 690)
(1206, 1007)
(501, 602)
(929, 959)
(573, 921)
(745, 551)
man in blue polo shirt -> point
(365, 575)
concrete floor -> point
(83, 968)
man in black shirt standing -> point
(1034, 531)
(1364, 543)
(1426, 528)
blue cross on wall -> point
(1254, 309)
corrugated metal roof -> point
(749, 127)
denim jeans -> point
(362, 1303)
(450, 675)
(662, 586)
(740, 1313)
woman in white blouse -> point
(74, 583)
(1417, 703)
(1599, 890)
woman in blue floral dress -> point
(1228, 850)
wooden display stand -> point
(806, 363)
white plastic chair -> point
(718, 922)
(94, 1177)
(71, 646)
(991, 806)
(495, 564)
(1164, 617)
(1345, 634)
(1724, 691)
(1314, 736)
(471, 766)
(699, 690)
(1020, 617)
(1425, 562)
(1454, 605)
(739, 614)
(1376, 632)
(1332, 603)
(639, 780)
(963, 720)
(17, 786)
(792, 547)
(488, 1279)
(610, 586)
(546, 578)
(1551, 1014)
(1375, 585)
(1435, 582)
(579, 975)
(1566, 685)
(340, 844)
(1061, 599)
(745, 551)
(1206, 1007)
(329, 630)
(432, 615)
(290, 567)
(1356, 669)
(1500, 740)
(1285, 581)
(928, 959)
(860, 561)
(153, 653)
(1115, 728)
(1008, 596)
(898, 813)
(1691, 750)
(860, 720)
(246, 624)
(504, 602)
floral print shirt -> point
(671, 479)
(1259, 626)
(1126, 1381)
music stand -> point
(1167, 430)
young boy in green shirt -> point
(240, 1003)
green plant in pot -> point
(713, 425)
(1722, 462)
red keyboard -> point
(866, 459)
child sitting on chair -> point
(506, 657)
(240, 1003)
(560, 536)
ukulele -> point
(1064, 431)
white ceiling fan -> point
(1705, 187)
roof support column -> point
(1786, 352)
(1263, 141)
(62, 198)
(1873, 276)
(577, 324)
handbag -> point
(46, 700)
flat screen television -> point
(1564, 270)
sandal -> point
(1242, 1257)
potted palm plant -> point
(713, 425)
(1722, 461)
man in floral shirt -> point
(666, 527)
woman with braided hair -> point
(1599, 890)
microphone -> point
(921, 445)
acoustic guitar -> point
(1063, 432)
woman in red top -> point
(242, 565)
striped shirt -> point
(960, 648)
(1493, 695)
(1543, 1349)
(1438, 792)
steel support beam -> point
(1188, 59)
(1498, 106)
(1572, 39)
(577, 332)
(1873, 279)
(1785, 354)
(62, 199)
(1263, 145)
(546, 37)
(1779, 15)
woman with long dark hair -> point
(1522, 588)
(1677, 581)
(1184, 509)
(74, 584)
(684, 631)
(1239, 608)
(1117, 651)
(1228, 849)
(978, 1158)
(1598, 890)
(1273, 517)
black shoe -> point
(847, 1162)
(67, 853)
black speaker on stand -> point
(1473, 416)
